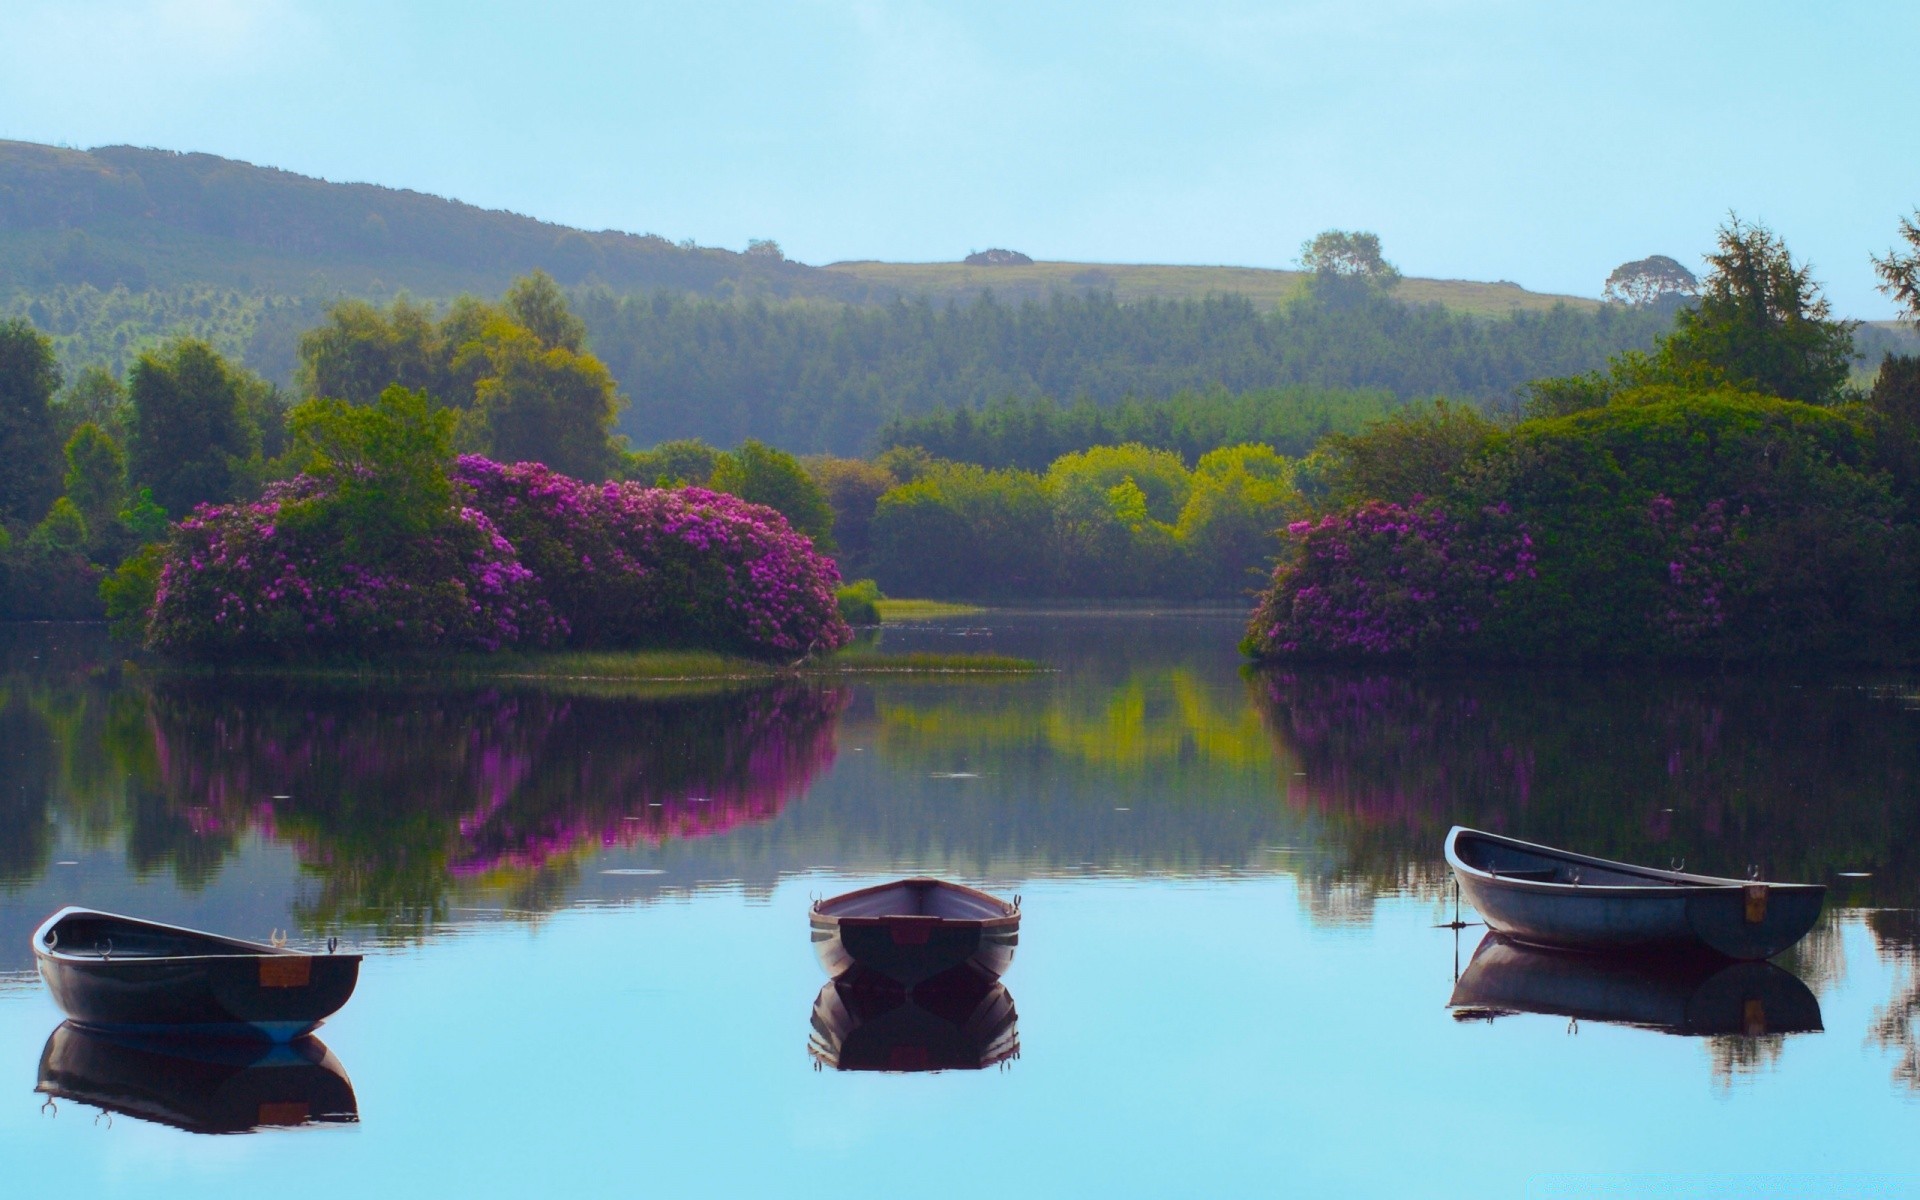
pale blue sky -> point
(1487, 139)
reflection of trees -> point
(1896, 935)
(392, 797)
(1720, 772)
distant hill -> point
(154, 219)
(1130, 283)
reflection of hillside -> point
(1721, 772)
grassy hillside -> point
(1129, 283)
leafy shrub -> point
(859, 602)
(624, 564)
(1670, 523)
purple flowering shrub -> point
(624, 564)
(1384, 580)
(276, 578)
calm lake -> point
(584, 910)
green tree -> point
(537, 403)
(96, 479)
(194, 438)
(1649, 282)
(385, 464)
(359, 351)
(29, 449)
(1241, 497)
(1409, 455)
(686, 461)
(1899, 270)
(1356, 255)
(538, 304)
(759, 473)
(62, 531)
(1761, 324)
(94, 395)
(853, 488)
(962, 530)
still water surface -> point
(584, 910)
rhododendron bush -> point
(1389, 580)
(378, 550)
(626, 564)
(242, 579)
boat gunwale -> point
(1685, 883)
(254, 949)
(1010, 914)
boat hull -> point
(1669, 911)
(1692, 994)
(235, 991)
(202, 1087)
(909, 950)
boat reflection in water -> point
(198, 1085)
(963, 1020)
(1693, 995)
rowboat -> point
(1556, 898)
(914, 929)
(1691, 994)
(962, 1021)
(135, 976)
(198, 1084)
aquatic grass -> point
(923, 610)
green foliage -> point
(1899, 270)
(1761, 323)
(672, 464)
(962, 530)
(1114, 521)
(144, 518)
(128, 591)
(525, 392)
(1669, 523)
(63, 530)
(29, 448)
(537, 303)
(94, 396)
(853, 488)
(860, 602)
(1409, 456)
(96, 479)
(829, 378)
(382, 466)
(1033, 433)
(760, 474)
(1891, 413)
(195, 439)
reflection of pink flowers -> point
(489, 782)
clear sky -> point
(1541, 142)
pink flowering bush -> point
(277, 578)
(624, 564)
(1385, 580)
